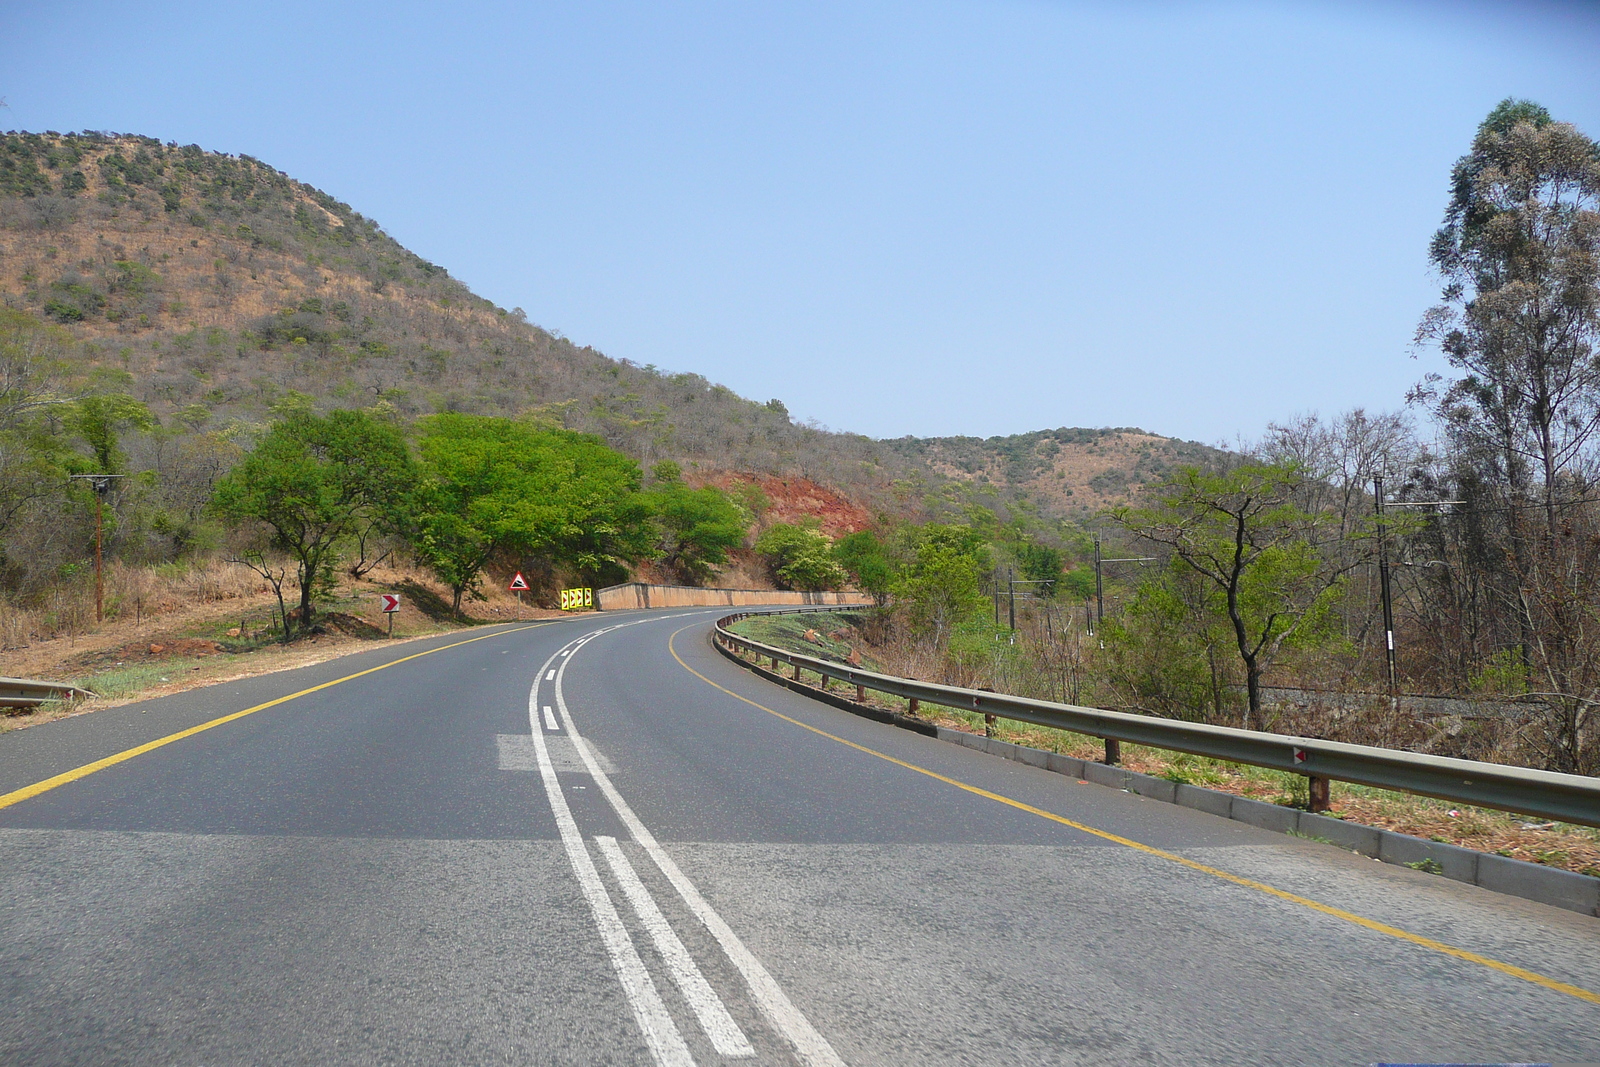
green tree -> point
(34, 460)
(100, 421)
(697, 528)
(867, 561)
(940, 587)
(1169, 648)
(491, 484)
(1040, 564)
(311, 481)
(1241, 531)
(800, 557)
(1520, 323)
(1078, 583)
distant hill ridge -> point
(214, 285)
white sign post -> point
(391, 604)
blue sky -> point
(928, 218)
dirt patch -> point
(160, 647)
(792, 500)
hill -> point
(216, 289)
(1070, 472)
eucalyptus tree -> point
(1520, 323)
(1519, 252)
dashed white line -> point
(549, 675)
(660, 1032)
(725, 1035)
(550, 719)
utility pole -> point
(1099, 586)
(1378, 506)
(1099, 581)
(101, 484)
(1383, 592)
(1011, 593)
(1011, 596)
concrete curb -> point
(1499, 874)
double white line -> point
(661, 1034)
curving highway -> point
(595, 840)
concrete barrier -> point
(639, 595)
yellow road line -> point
(1149, 850)
(16, 796)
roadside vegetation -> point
(1248, 591)
(1240, 587)
(842, 637)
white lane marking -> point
(660, 1032)
(548, 675)
(719, 1026)
(812, 1047)
(549, 720)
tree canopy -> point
(800, 556)
(1242, 531)
(490, 484)
(697, 528)
(309, 482)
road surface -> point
(595, 840)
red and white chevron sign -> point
(390, 602)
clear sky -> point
(930, 217)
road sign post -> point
(390, 604)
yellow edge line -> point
(1149, 850)
(18, 795)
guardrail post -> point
(912, 705)
(1113, 752)
(861, 693)
(1320, 790)
(797, 672)
(824, 685)
(988, 725)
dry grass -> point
(174, 606)
(1573, 848)
(136, 593)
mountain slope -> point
(214, 287)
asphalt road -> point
(597, 841)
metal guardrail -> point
(30, 693)
(1569, 798)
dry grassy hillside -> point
(1066, 472)
(214, 288)
(215, 285)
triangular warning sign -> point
(518, 583)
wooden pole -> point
(99, 582)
